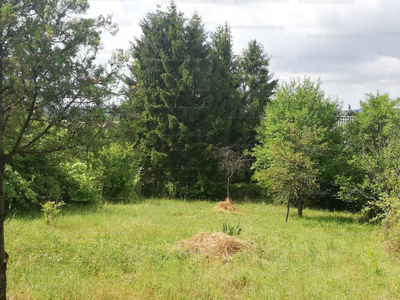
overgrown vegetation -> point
(191, 118)
(132, 248)
(373, 151)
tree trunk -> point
(228, 188)
(3, 254)
(300, 204)
(288, 203)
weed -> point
(331, 246)
(231, 230)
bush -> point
(80, 183)
(116, 168)
(18, 192)
(52, 177)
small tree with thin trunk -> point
(293, 141)
(232, 163)
(290, 167)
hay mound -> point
(215, 244)
(225, 206)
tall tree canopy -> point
(185, 100)
(256, 87)
(52, 95)
(170, 86)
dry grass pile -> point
(215, 244)
(225, 206)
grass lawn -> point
(128, 252)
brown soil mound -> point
(225, 206)
(215, 244)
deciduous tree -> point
(289, 164)
(232, 163)
(293, 139)
(373, 143)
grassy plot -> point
(129, 252)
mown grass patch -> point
(127, 252)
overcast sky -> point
(352, 45)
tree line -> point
(192, 117)
(189, 106)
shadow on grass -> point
(334, 219)
(25, 215)
(81, 208)
(69, 209)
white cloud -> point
(351, 44)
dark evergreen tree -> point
(170, 77)
(256, 87)
(185, 101)
(224, 89)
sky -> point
(352, 46)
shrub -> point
(81, 184)
(18, 192)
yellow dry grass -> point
(225, 206)
(215, 244)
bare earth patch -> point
(215, 244)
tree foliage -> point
(52, 94)
(291, 167)
(256, 88)
(167, 94)
(373, 143)
(294, 138)
(185, 100)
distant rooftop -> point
(345, 112)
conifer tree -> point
(52, 94)
(171, 81)
(256, 87)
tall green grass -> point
(128, 252)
